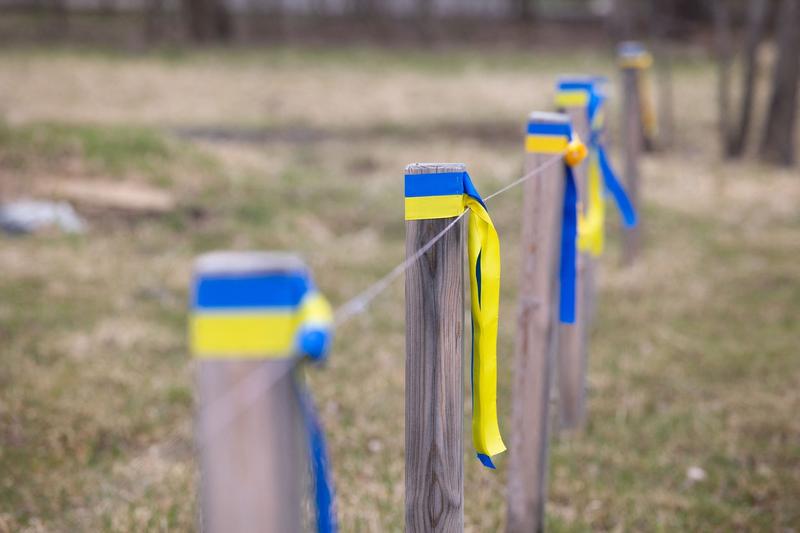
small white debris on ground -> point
(695, 474)
(28, 216)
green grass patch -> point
(109, 149)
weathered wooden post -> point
(250, 444)
(543, 200)
(630, 61)
(434, 372)
(572, 97)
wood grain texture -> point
(251, 447)
(573, 338)
(250, 462)
(434, 373)
(543, 198)
(632, 143)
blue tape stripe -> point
(441, 184)
(544, 128)
(256, 291)
(570, 85)
(569, 239)
(613, 185)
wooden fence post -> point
(573, 338)
(434, 373)
(543, 198)
(249, 425)
(632, 143)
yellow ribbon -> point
(591, 224)
(483, 249)
(445, 195)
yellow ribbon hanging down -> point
(583, 92)
(591, 224)
(588, 92)
(445, 195)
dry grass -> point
(694, 356)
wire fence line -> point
(359, 303)
(245, 393)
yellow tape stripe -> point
(572, 99)
(546, 144)
(642, 61)
(246, 335)
(428, 207)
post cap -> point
(633, 55)
(546, 117)
(240, 262)
(631, 49)
(435, 168)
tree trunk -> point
(777, 144)
(425, 20)
(365, 9)
(723, 45)
(57, 20)
(623, 19)
(153, 20)
(207, 20)
(756, 26)
(663, 16)
(525, 9)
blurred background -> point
(137, 134)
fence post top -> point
(435, 168)
(546, 117)
(634, 55)
(241, 262)
(631, 49)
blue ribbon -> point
(613, 186)
(313, 342)
(610, 180)
(324, 496)
(569, 241)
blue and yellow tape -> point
(264, 313)
(601, 176)
(446, 195)
(557, 137)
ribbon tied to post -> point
(602, 180)
(558, 138)
(447, 195)
(270, 315)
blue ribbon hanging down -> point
(612, 184)
(320, 466)
(313, 343)
(569, 238)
